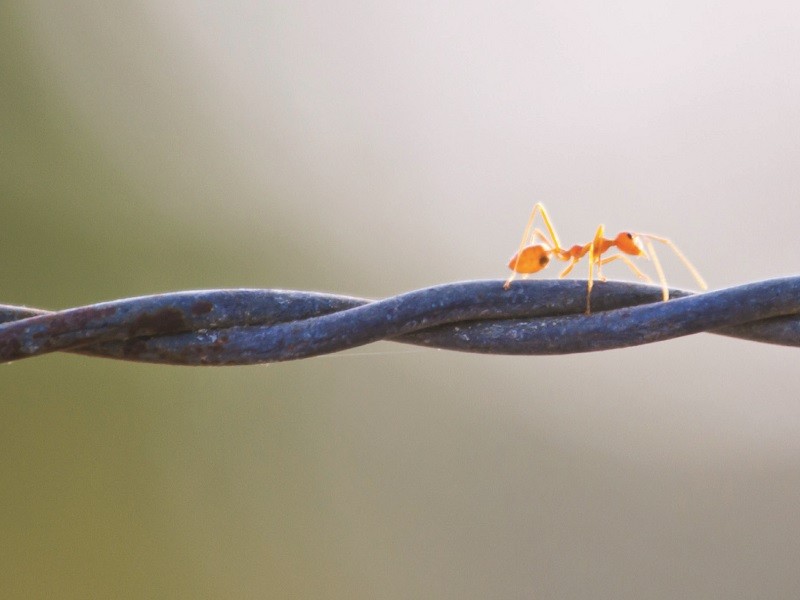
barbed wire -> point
(534, 317)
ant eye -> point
(629, 236)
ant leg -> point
(530, 234)
(629, 263)
(525, 235)
(589, 284)
(551, 230)
(511, 278)
(539, 235)
(689, 266)
(594, 257)
(508, 281)
(565, 272)
(661, 278)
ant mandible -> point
(536, 249)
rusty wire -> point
(243, 326)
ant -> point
(536, 250)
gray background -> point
(370, 149)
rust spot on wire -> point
(202, 307)
(166, 320)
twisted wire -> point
(248, 326)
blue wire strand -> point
(237, 327)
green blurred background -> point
(369, 149)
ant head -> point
(629, 243)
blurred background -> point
(370, 149)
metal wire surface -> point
(240, 327)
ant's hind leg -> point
(507, 284)
(538, 235)
(550, 229)
(527, 238)
(531, 234)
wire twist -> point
(241, 327)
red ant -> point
(532, 257)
